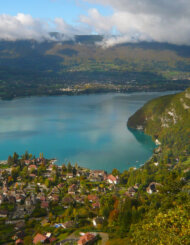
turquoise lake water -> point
(87, 129)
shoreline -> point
(91, 93)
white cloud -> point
(98, 23)
(163, 20)
(24, 26)
(132, 20)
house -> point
(96, 205)
(52, 239)
(28, 201)
(41, 197)
(58, 225)
(64, 176)
(136, 186)
(19, 198)
(51, 167)
(79, 173)
(33, 198)
(20, 224)
(44, 222)
(61, 185)
(54, 197)
(20, 234)
(69, 175)
(67, 201)
(27, 162)
(131, 192)
(32, 167)
(93, 178)
(93, 198)
(97, 175)
(50, 179)
(79, 199)
(44, 204)
(156, 163)
(39, 238)
(3, 213)
(19, 242)
(32, 176)
(112, 179)
(72, 189)
(98, 221)
(68, 224)
(2, 199)
(186, 170)
(55, 190)
(153, 187)
(88, 238)
(5, 190)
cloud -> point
(131, 21)
(23, 27)
(162, 21)
(69, 31)
(98, 23)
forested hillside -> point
(167, 119)
(81, 65)
(166, 217)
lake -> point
(87, 129)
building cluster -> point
(38, 185)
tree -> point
(47, 183)
(115, 172)
(15, 157)
(64, 169)
(24, 172)
(10, 160)
(15, 173)
(25, 156)
(69, 168)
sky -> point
(118, 20)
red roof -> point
(60, 185)
(42, 198)
(32, 175)
(96, 205)
(32, 166)
(52, 239)
(112, 178)
(44, 204)
(92, 198)
(82, 241)
(27, 161)
(19, 241)
(39, 238)
(86, 238)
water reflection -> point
(142, 138)
(88, 129)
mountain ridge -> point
(28, 67)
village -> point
(67, 204)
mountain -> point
(166, 119)
(28, 67)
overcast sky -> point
(127, 20)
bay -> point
(88, 129)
